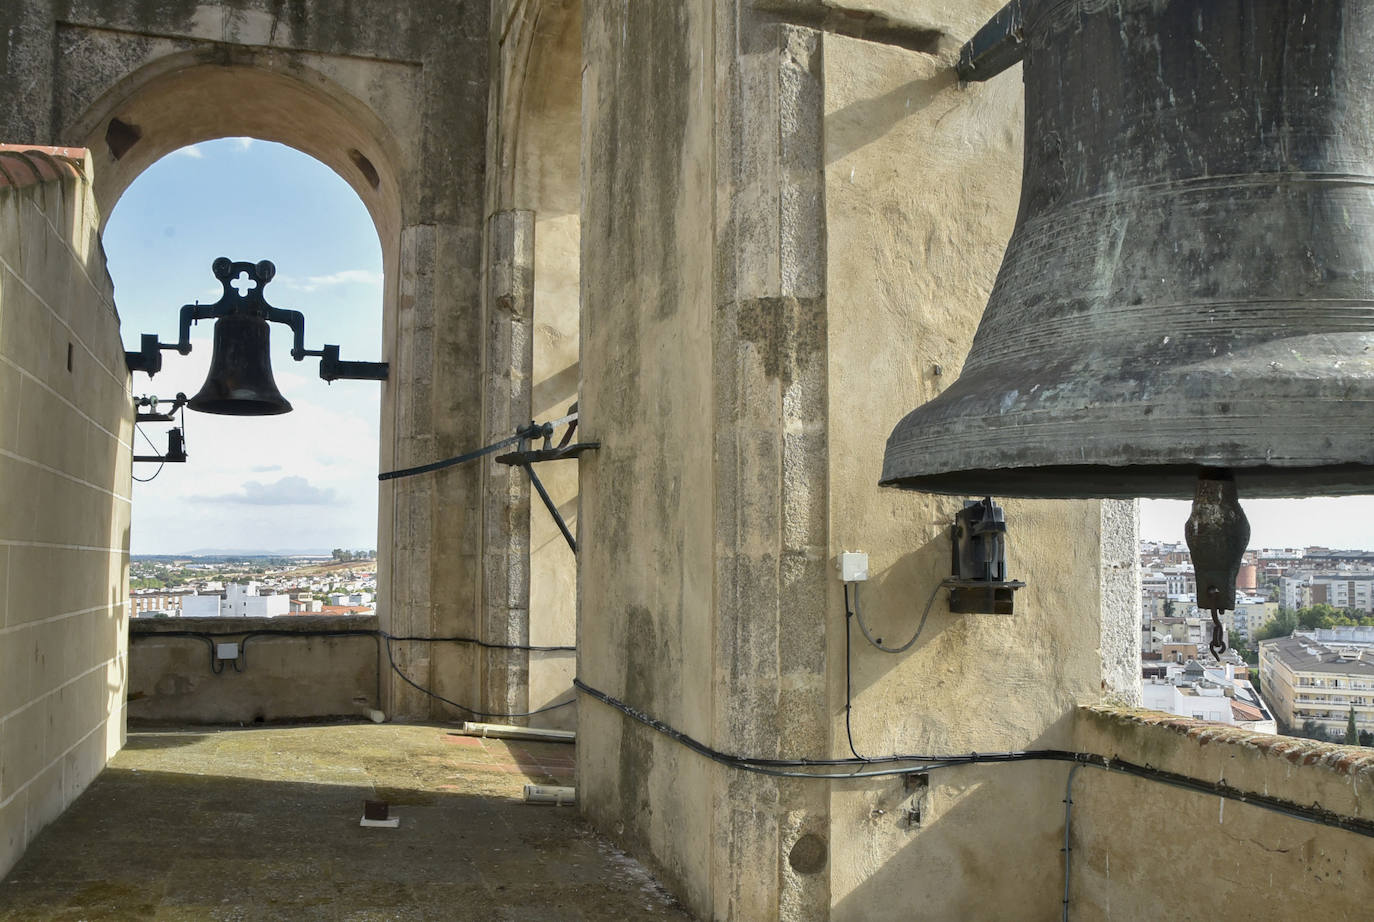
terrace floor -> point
(257, 824)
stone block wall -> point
(1141, 849)
(65, 428)
(288, 669)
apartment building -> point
(1320, 675)
(1339, 589)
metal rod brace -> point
(1000, 44)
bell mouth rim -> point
(230, 407)
(1139, 481)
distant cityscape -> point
(1300, 642)
(343, 582)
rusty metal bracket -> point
(973, 596)
(153, 413)
(526, 457)
(534, 456)
(1000, 44)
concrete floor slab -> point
(262, 824)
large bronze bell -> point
(240, 381)
(1190, 283)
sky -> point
(1322, 521)
(302, 481)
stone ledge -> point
(27, 165)
(304, 624)
(1339, 778)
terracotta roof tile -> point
(27, 165)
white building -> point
(201, 606)
(1207, 693)
(242, 600)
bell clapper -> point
(1218, 534)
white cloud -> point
(194, 152)
(289, 491)
(243, 143)
(345, 277)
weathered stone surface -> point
(1119, 862)
(280, 678)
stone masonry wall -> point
(280, 675)
(1141, 849)
(65, 428)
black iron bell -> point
(1190, 283)
(240, 381)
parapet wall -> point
(1142, 849)
(65, 427)
(290, 668)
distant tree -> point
(1352, 735)
(1313, 731)
(1318, 616)
(1281, 625)
(1168, 608)
(337, 553)
(1366, 738)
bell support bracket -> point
(243, 287)
(176, 450)
(526, 457)
(1000, 44)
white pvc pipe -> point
(504, 731)
(549, 794)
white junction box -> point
(226, 651)
(853, 566)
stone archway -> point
(397, 107)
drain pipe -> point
(505, 731)
(1068, 825)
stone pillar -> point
(771, 483)
(1120, 600)
(703, 526)
(404, 532)
(508, 363)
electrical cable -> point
(1308, 813)
(848, 685)
(486, 645)
(463, 707)
(758, 766)
(156, 451)
(525, 432)
(878, 641)
(1068, 825)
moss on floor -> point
(210, 824)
